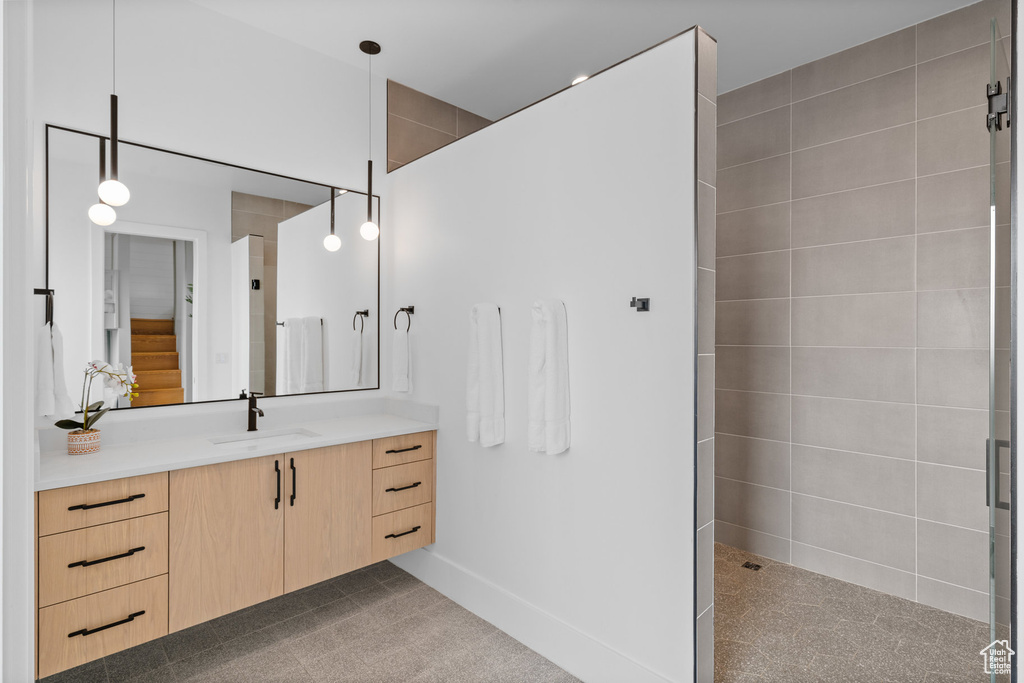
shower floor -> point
(785, 624)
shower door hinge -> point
(998, 104)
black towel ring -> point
(361, 315)
(408, 310)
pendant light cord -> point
(369, 104)
(113, 44)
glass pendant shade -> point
(332, 243)
(369, 231)
(114, 192)
(101, 214)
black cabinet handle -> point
(293, 482)
(90, 631)
(277, 468)
(89, 563)
(405, 450)
(403, 488)
(404, 533)
(85, 506)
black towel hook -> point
(362, 315)
(408, 310)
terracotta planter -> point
(83, 442)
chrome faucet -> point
(253, 410)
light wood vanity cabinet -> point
(125, 561)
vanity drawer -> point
(117, 554)
(393, 533)
(79, 631)
(415, 484)
(398, 450)
(77, 507)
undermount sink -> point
(260, 439)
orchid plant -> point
(118, 378)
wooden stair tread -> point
(154, 397)
(152, 326)
(158, 379)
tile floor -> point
(788, 625)
(378, 624)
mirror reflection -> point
(212, 281)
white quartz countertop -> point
(58, 469)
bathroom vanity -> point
(125, 559)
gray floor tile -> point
(133, 662)
(189, 641)
(384, 571)
(403, 584)
(92, 672)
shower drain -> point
(751, 565)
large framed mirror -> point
(213, 280)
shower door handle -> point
(1000, 503)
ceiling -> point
(493, 57)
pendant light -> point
(332, 242)
(101, 213)
(112, 191)
(369, 230)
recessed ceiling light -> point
(341, 192)
(579, 79)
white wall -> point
(152, 273)
(588, 197)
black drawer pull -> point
(90, 631)
(85, 506)
(293, 483)
(402, 488)
(277, 501)
(405, 450)
(89, 563)
(404, 533)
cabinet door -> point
(226, 538)
(327, 513)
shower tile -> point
(754, 98)
(706, 456)
(754, 184)
(707, 141)
(861, 320)
(961, 29)
(875, 576)
(955, 141)
(855, 268)
(262, 224)
(753, 322)
(962, 601)
(880, 56)
(422, 108)
(705, 311)
(884, 156)
(871, 535)
(756, 461)
(252, 203)
(706, 647)
(861, 426)
(764, 228)
(869, 480)
(705, 397)
(754, 507)
(952, 82)
(745, 413)
(753, 368)
(469, 123)
(954, 200)
(705, 567)
(953, 318)
(753, 276)
(755, 137)
(953, 555)
(952, 495)
(956, 378)
(953, 260)
(854, 215)
(293, 209)
(952, 436)
(408, 140)
(854, 110)
(868, 374)
(765, 545)
(705, 226)
(707, 64)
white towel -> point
(357, 357)
(485, 380)
(401, 362)
(62, 401)
(312, 356)
(549, 379)
(51, 389)
(292, 356)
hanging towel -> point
(312, 378)
(51, 389)
(63, 405)
(485, 381)
(292, 356)
(357, 357)
(401, 362)
(549, 379)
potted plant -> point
(82, 438)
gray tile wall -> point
(852, 314)
(418, 124)
(707, 82)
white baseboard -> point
(583, 656)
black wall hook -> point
(641, 305)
